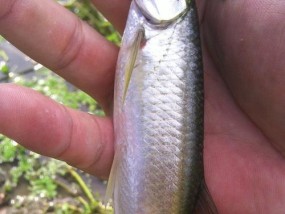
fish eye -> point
(162, 11)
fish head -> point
(163, 11)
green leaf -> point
(4, 67)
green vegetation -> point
(31, 182)
(44, 179)
(56, 88)
(85, 10)
(3, 66)
(3, 61)
(27, 165)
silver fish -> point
(158, 111)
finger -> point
(50, 129)
(115, 11)
(56, 38)
(201, 4)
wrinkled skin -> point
(244, 52)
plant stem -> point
(83, 186)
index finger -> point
(56, 38)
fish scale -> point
(159, 124)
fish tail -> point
(205, 203)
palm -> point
(244, 105)
(243, 85)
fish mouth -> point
(161, 12)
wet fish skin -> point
(158, 121)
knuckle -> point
(70, 51)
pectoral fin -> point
(134, 49)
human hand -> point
(244, 116)
(59, 40)
(244, 53)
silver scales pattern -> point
(160, 126)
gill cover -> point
(162, 11)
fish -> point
(158, 112)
